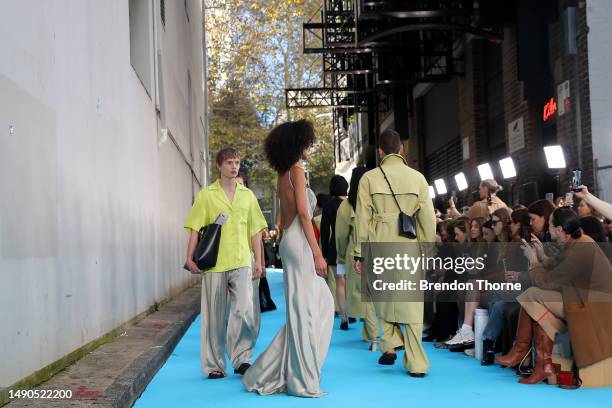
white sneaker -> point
(461, 337)
(456, 340)
(468, 336)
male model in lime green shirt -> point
(232, 277)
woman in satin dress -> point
(292, 362)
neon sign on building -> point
(550, 109)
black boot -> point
(488, 352)
(265, 299)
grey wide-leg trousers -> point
(230, 319)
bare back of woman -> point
(285, 186)
(293, 361)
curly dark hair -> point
(285, 144)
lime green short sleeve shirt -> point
(245, 219)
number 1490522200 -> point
(40, 394)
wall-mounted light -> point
(554, 157)
(485, 171)
(461, 181)
(507, 167)
(432, 192)
(440, 186)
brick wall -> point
(530, 161)
(575, 69)
(471, 116)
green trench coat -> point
(377, 221)
(345, 245)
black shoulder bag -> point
(407, 223)
(207, 248)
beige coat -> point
(584, 277)
(345, 245)
(377, 221)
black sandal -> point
(242, 369)
(215, 375)
(387, 359)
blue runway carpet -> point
(352, 377)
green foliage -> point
(234, 122)
(254, 51)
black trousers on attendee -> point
(446, 319)
(265, 299)
(445, 322)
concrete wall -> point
(599, 15)
(92, 196)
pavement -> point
(116, 373)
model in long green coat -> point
(377, 221)
(358, 307)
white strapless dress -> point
(292, 362)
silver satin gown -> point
(292, 362)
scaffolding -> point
(370, 46)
